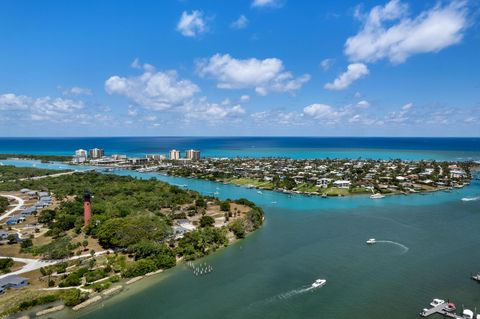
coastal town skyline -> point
(256, 67)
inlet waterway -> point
(428, 247)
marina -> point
(447, 309)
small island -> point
(85, 235)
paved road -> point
(20, 203)
(45, 176)
(30, 265)
(34, 264)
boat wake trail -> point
(294, 292)
(470, 199)
(284, 296)
(404, 248)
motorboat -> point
(324, 195)
(476, 277)
(319, 283)
(437, 302)
(377, 196)
(467, 314)
(450, 307)
(371, 241)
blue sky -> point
(243, 67)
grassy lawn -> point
(334, 191)
(360, 190)
(250, 181)
(307, 188)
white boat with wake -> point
(319, 283)
(476, 277)
(371, 241)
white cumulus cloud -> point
(354, 72)
(44, 108)
(191, 24)
(363, 104)
(76, 90)
(240, 23)
(10, 101)
(212, 112)
(153, 89)
(326, 64)
(267, 3)
(389, 32)
(262, 75)
(319, 111)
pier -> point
(445, 310)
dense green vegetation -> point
(43, 158)
(3, 204)
(133, 216)
(201, 242)
(70, 297)
(38, 301)
(5, 264)
(57, 249)
(10, 173)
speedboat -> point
(377, 196)
(468, 314)
(437, 302)
(319, 283)
(324, 195)
(476, 277)
(371, 241)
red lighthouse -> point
(87, 209)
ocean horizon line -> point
(239, 136)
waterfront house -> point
(324, 182)
(457, 173)
(342, 184)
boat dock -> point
(441, 309)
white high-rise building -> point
(97, 153)
(192, 155)
(80, 156)
(81, 153)
(174, 155)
